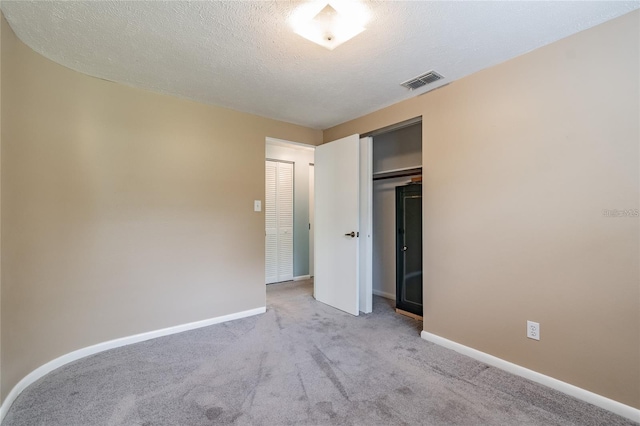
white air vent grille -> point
(422, 80)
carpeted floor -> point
(301, 363)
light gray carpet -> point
(301, 363)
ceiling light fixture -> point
(329, 24)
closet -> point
(278, 221)
(397, 217)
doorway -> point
(397, 162)
(287, 210)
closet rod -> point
(398, 173)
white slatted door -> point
(278, 221)
(271, 223)
(285, 221)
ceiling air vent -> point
(422, 80)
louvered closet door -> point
(285, 221)
(279, 221)
(271, 223)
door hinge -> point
(357, 234)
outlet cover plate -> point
(533, 330)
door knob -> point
(351, 234)
(404, 248)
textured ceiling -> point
(243, 55)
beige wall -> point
(125, 211)
(520, 160)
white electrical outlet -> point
(257, 205)
(533, 330)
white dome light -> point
(329, 24)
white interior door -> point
(285, 221)
(271, 222)
(337, 218)
(278, 221)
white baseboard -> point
(384, 294)
(574, 391)
(116, 343)
(302, 278)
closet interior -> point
(397, 217)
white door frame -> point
(312, 225)
(366, 225)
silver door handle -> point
(351, 234)
(404, 248)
